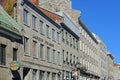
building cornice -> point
(86, 29)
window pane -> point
(34, 74)
(34, 48)
(41, 75)
(53, 56)
(41, 50)
(58, 37)
(26, 45)
(14, 54)
(25, 16)
(34, 22)
(2, 54)
(53, 34)
(41, 26)
(47, 31)
(48, 54)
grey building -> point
(103, 58)
(89, 57)
(110, 66)
(10, 46)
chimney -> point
(35, 2)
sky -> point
(102, 17)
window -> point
(14, 54)
(58, 37)
(47, 31)
(58, 55)
(53, 76)
(34, 48)
(34, 73)
(70, 40)
(48, 54)
(70, 58)
(63, 55)
(74, 59)
(77, 60)
(48, 75)
(67, 57)
(26, 45)
(53, 34)
(53, 56)
(66, 37)
(34, 22)
(77, 44)
(73, 42)
(2, 54)
(41, 26)
(63, 35)
(41, 75)
(41, 51)
(25, 16)
(15, 12)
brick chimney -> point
(35, 2)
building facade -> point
(42, 58)
(10, 45)
(116, 71)
(110, 66)
(53, 43)
(89, 57)
(103, 58)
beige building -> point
(89, 56)
(103, 58)
(42, 59)
(54, 44)
(10, 45)
(116, 71)
(110, 66)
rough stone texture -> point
(62, 6)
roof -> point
(86, 29)
(37, 9)
(115, 64)
(52, 15)
(6, 22)
(68, 22)
(110, 55)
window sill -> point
(48, 61)
(27, 25)
(53, 40)
(42, 34)
(35, 30)
(3, 66)
(27, 55)
(48, 37)
(35, 57)
(42, 59)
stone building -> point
(50, 49)
(42, 57)
(116, 71)
(110, 66)
(89, 56)
(10, 45)
(88, 44)
(103, 58)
